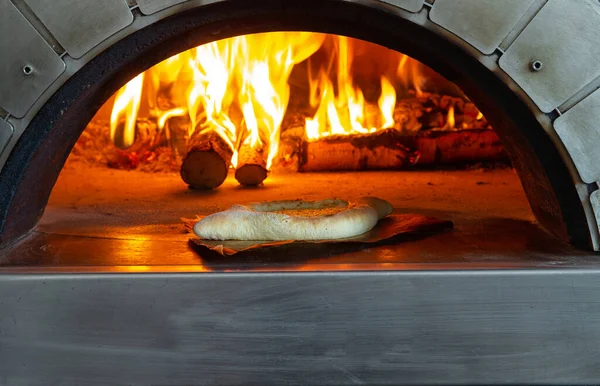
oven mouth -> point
(43, 149)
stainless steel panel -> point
(579, 130)
(408, 5)
(481, 23)
(6, 133)
(80, 25)
(459, 327)
(22, 50)
(564, 37)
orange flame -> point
(208, 99)
(450, 119)
(124, 114)
(238, 88)
(409, 74)
(246, 75)
(387, 102)
(265, 65)
(346, 112)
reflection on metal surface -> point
(473, 327)
(80, 25)
(138, 268)
(23, 47)
(324, 267)
(479, 244)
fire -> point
(450, 120)
(263, 70)
(239, 89)
(207, 99)
(409, 74)
(347, 112)
(235, 87)
(387, 102)
(124, 113)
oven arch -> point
(558, 197)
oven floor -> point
(130, 221)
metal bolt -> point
(535, 65)
(27, 70)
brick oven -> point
(118, 118)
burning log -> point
(252, 167)
(382, 150)
(176, 128)
(207, 161)
(433, 111)
(458, 147)
(390, 149)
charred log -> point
(252, 167)
(458, 147)
(389, 149)
(206, 163)
(383, 150)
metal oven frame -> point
(532, 322)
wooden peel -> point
(252, 167)
(207, 161)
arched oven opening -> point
(38, 157)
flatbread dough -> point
(294, 220)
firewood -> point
(353, 153)
(252, 167)
(287, 158)
(458, 147)
(430, 111)
(389, 149)
(175, 132)
(207, 161)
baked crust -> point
(294, 220)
